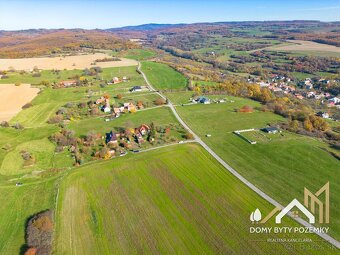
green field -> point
(17, 205)
(173, 200)
(177, 200)
(287, 163)
(51, 77)
(162, 76)
(164, 117)
(137, 54)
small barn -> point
(270, 130)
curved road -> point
(232, 170)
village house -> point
(136, 89)
(202, 100)
(111, 138)
(270, 130)
(130, 107)
(310, 94)
(139, 138)
(299, 96)
(115, 80)
(68, 83)
(334, 100)
(263, 84)
(144, 129)
(324, 115)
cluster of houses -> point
(205, 100)
(104, 105)
(137, 135)
(285, 85)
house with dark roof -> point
(136, 89)
(111, 138)
(270, 130)
(203, 100)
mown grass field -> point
(287, 164)
(17, 205)
(177, 200)
(52, 77)
(162, 76)
(164, 118)
(34, 140)
(137, 54)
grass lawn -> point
(13, 141)
(17, 205)
(137, 54)
(41, 150)
(177, 200)
(162, 76)
(164, 117)
(286, 164)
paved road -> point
(232, 170)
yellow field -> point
(68, 62)
(13, 98)
(299, 45)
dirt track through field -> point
(60, 63)
(12, 98)
(306, 46)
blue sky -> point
(20, 14)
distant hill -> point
(36, 42)
(145, 27)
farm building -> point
(270, 130)
(324, 115)
(68, 83)
(136, 89)
(202, 100)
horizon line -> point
(168, 24)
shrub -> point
(17, 84)
(246, 108)
(28, 105)
(189, 136)
(4, 124)
(39, 232)
(160, 101)
(18, 126)
(36, 75)
(55, 119)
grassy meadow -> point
(164, 117)
(137, 54)
(17, 205)
(162, 76)
(287, 162)
(177, 200)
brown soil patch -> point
(12, 98)
(68, 62)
